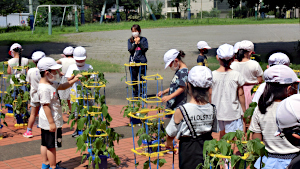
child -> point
(50, 117)
(79, 54)
(202, 47)
(227, 92)
(176, 97)
(275, 59)
(33, 78)
(250, 69)
(185, 124)
(17, 60)
(66, 62)
(281, 82)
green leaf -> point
(234, 160)
(239, 134)
(74, 105)
(72, 124)
(137, 164)
(241, 148)
(253, 104)
(229, 136)
(80, 123)
(224, 147)
(80, 142)
(146, 165)
(140, 141)
(83, 157)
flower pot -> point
(135, 121)
(149, 149)
(9, 108)
(103, 158)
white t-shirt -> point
(15, 62)
(33, 77)
(250, 70)
(202, 118)
(259, 92)
(66, 62)
(70, 72)
(225, 94)
(266, 125)
(48, 95)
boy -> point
(33, 78)
(50, 117)
(202, 47)
(79, 54)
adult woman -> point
(137, 47)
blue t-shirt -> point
(179, 79)
(202, 60)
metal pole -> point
(189, 10)
(62, 21)
(231, 12)
(118, 12)
(150, 11)
(49, 21)
(76, 19)
(201, 9)
(256, 11)
(102, 12)
(34, 19)
(82, 13)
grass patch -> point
(41, 33)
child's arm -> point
(177, 119)
(8, 69)
(48, 114)
(69, 83)
(176, 93)
(257, 135)
(242, 98)
(163, 92)
(260, 79)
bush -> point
(240, 13)
(14, 29)
(212, 13)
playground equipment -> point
(151, 118)
(50, 16)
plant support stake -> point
(150, 11)
(102, 12)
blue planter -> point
(103, 158)
(9, 108)
(149, 149)
(135, 121)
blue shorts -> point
(231, 126)
(273, 163)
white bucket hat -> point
(79, 53)
(203, 45)
(170, 56)
(247, 45)
(236, 47)
(47, 63)
(14, 46)
(36, 56)
(279, 59)
(280, 74)
(200, 76)
(225, 51)
(288, 113)
(68, 50)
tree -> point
(129, 4)
(233, 3)
(11, 6)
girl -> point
(227, 92)
(202, 47)
(137, 47)
(193, 122)
(281, 82)
(176, 97)
(17, 60)
(250, 69)
(33, 78)
(66, 62)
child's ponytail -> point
(180, 55)
(19, 50)
(240, 55)
(272, 92)
(226, 63)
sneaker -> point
(28, 134)
(75, 134)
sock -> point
(29, 129)
(44, 166)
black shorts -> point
(51, 139)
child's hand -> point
(166, 98)
(169, 144)
(61, 74)
(52, 127)
(78, 76)
(159, 94)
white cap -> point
(169, 56)
(200, 76)
(281, 74)
(14, 46)
(79, 53)
(36, 56)
(247, 45)
(288, 113)
(279, 59)
(225, 51)
(68, 50)
(236, 47)
(47, 63)
(203, 45)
